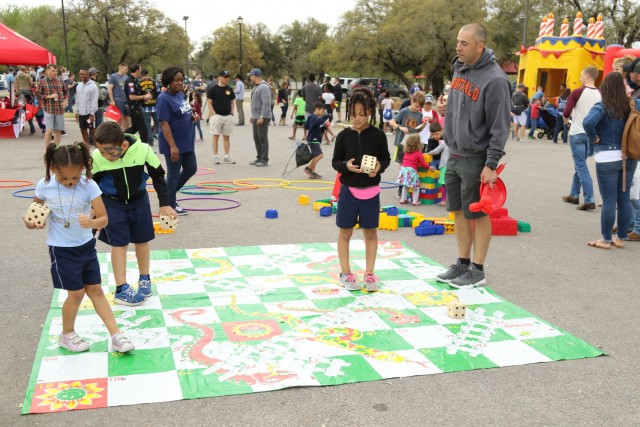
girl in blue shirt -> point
(72, 248)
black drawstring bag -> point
(303, 156)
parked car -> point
(345, 82)
(391, 87)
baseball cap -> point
(428, 99)
(223, 73)
(255, 72)
(630, 67)
(93, 70)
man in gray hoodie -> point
(260, 117)
(476, 128)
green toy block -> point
(524, 227)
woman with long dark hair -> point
(176, 140)
(604, 126)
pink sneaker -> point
(370, 282)
(73, 342)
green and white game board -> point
(236, 320)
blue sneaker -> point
(144, 288)
(128, 296)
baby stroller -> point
(546, 123)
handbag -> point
(517, 109)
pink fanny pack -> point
(365, 193)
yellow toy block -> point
(158, 229)
(449, 226)
(318, 205)
(417, 220)
(452, 216)
(436, 220)
(388, 222)
(303, 200)
(428, 158)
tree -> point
(225, 49)
(271, 48)
(298, 40)
(115, 31)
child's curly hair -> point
(412, 143)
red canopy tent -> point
(18, 50)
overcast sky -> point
(207, 15)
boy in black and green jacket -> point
(119, 163)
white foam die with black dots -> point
(456, 310)
(368, 163)
(168, 223)
(37, 213)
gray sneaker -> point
(469, 279)
(454, 271)
(227, 161)
(350, 282)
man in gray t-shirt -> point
(311, 94)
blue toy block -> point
(439, 228)
(271, 214)
(325, 211)
(425, 223)
(425, 230)
(392, 211)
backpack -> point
(387, 114)
(631, 138)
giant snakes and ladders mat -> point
(226, 321)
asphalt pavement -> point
(550, 272)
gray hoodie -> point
(478, 116)
(261, 101)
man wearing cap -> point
(135, 98)
(220, 106)
(260, 117)
(239, 92)
(86, 105)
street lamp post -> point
(240, 32)
(187, 35)
(64, 30)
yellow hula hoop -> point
(246, 182)
(287, 185)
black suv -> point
(391, 87)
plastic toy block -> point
(388, 222)
(433, 174)
(456, 310)
(416, 221)
(392, 211)
(505, 226)
(428, 158)
(428, 229)
(499, 213)
(449, 226)
(425, 230)
(524, 227)
(425, 222)
(158, 230)
(271, 214)
(368, 163)
(168, 223)
(334, 207)
(37, 213)
(452, 216)
(317, 205)
(303, 200)
(403, 211)
(325, 211)
(329, 200)
(404, 220)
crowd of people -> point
(463, 132)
